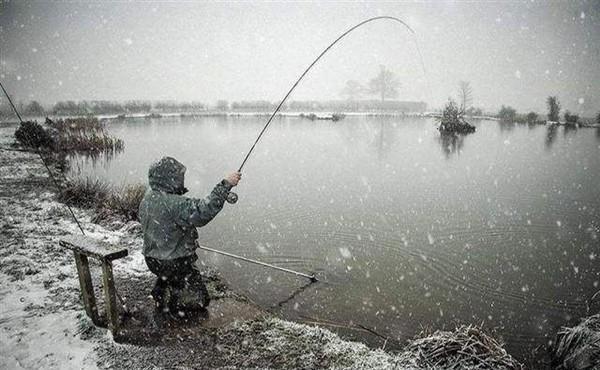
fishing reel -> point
(232, 197)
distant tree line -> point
(105, 107)
(509, 114)
(99, 107)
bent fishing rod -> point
(232, 197)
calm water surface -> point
(406, 230)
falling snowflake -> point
(345, 252)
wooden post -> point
(87, 289)
(112, 314)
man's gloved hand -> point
(233, 178)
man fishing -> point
(169, 222)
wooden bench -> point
(84, 247)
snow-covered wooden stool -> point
(84, 247)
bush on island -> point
(452, 120)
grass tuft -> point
(123, 203)
(85, 193)
(107, 202)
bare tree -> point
(465, 95)
(385, 85)
(353, 90)
(553, 108)
(222, 105)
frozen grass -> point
(123, 203)
(107, 201)
(277, 343)
(578, 347)
(467, 347)
(86, 193)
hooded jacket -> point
(169, 220)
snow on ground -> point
(35, 339)
(40, 309)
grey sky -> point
(514, 53)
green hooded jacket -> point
(168, 219)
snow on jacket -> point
(169, 220)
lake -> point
(405, 230)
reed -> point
(123, 203)
(86, 192)
(107, 201)
(81, 134)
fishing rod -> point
(37, 151)
(231, 196)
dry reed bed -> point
(82, 134)
(107, 201)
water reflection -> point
(451, 143)
(386, 138)
(569, 129)
(506, 125)
(551, 132)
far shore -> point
(217, 113)
(319, 114)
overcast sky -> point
(514, 53)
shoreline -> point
(215, 113)
(318, 115)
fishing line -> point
(37, 151)
(315, 62)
